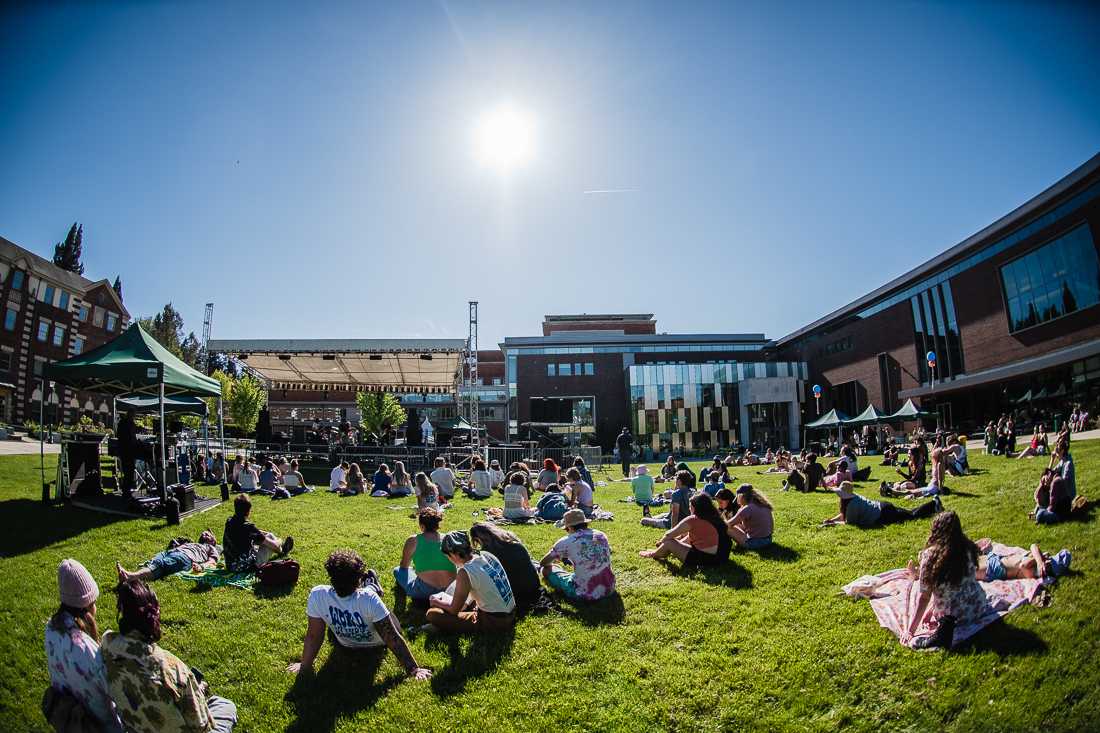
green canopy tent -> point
(908, 411)
(1025, 397)
(834, 418)
(172, 405)
(870, 416)
(134, 364)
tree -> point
(167, 328)
(246, 398)
(226, 381)
(379, 411)
(67, 254)
(118, 286)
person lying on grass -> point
(1030, 563)
(355, 615)
(947, 575)
(699, 539)
(589, 552)
(863, 512)
(580, 492)
(910, 490)
(679, 509)
(752, 525)
(424, 569)
(482, 601)
(154, 691)
(246, 546)
(193, 556)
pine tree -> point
(67, 254)
(118, 286)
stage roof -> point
(355, 365)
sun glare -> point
(504, 138)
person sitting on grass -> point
(548, 475)
(865, 513)
(270, 479)
(506, 547)
(586, 475)
(580, 493)
(381, 481)
(752, 526)
(402, 481)
(517, 504)
(726, 501)
(153, 690)
(338, 478)
(247, 478)
(809, 477)
(482, 601)
(954, 456)
(909, 490)
(293, 481)
(691, 482)
(355, 615)
(947, 577)
(918, 457)
(424, 569)
(699, 539)
(842, 474)
(715, 465)
(678, 508)
(443, 477)
(713, 483)
(193, 556)
(748, 458)
(588, 552)
(427, 493)
(480, 485)
(890, 456)
(356, 482)
(668, 470)
(848, 456)
(1053, 502)
(496, 475)
(1031, 563)
(73, 658)
(247, 547)
(642, 486)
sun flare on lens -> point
(504, 138)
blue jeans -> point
(757, 543)
(167, 563)
(1046, 516)
(413, 586)
(224, 713)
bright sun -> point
(504, 138)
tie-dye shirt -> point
(590, 554)
(76, 667)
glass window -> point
(39, 365)
(9, 319)
(1061, 277)
(78, 345)
(17, 277)
(5, 360)
(82, 313)
(43, 330)
(112, 321)
(589, 369)
(47, 297)
(63, 303)
(58, 335)
(551, 370)
(577, 371)
(565, 370)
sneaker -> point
(370, 579)
(783, 486)
(288, 545)
(938, 503)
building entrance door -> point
(769, 425)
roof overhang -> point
(353, 365)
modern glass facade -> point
(935, 328)
(1054, 280)
(695, 405)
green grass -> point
(766, 643)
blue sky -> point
(310, 167)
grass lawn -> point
(765, 643)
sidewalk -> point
(25, 447)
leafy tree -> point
(246, 398)
(67, 254)
(118, 286)
(379, 411)
(226, 381)
(167, 328)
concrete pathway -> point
(24, 447)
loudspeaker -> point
(184, 494)
(83, 459)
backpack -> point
(551, 506)
(65, 713)
(1080, 505)
(278, 572)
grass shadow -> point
(344, 686)
(962, 494)
(28, 525)
(608, 611)
(273, 591)
(1006, 640)
(470, 657)
(1083, 515)
(778, 552)
(731, 574)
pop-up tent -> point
(909, 411)
(172, 405)
(870, 416)
(134, 364)
(834, 418)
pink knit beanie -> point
(77, 586)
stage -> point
(120, 505)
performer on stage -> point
(127, 451)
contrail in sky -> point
(611, 190)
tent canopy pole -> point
(41, 437)
(163, 447)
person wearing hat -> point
(863, 512)
(73, 657)
(642, 485)
(496, 475)
(482, 601)
(588, 551)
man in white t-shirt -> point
(352, 609)
(444, 478)
(338, 479)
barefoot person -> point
(193, 556)
(863, 512)
(352, 610)
(424, 569)
(700, 539)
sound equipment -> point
(184, 494)
(82, 460)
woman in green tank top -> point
(424, 569)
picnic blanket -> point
(219, 578)
(655, 501)
(894, 595)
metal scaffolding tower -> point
(469, 392)
(204, 350)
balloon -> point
(817, 390)
(931, 356)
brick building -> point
(50, 314)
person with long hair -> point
(909, 490)
(351, 608)
(506, 547)
(1057, 487)
(726, 502)
(947, 574)
(580, 492)
(480, 579)
(918, 457)
(153, 690)
(548, 475)
(356, 482)
(73, 657)
(381, 481)
(480, 485)
(699, 539)
(668, 470)
(402, 481)
(424, 570)
(752, 526)
(586, 475)
(427, 493)
(517, 504)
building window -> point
(936, 329)
(565, 370)
(97, 316)
(17, 277)
(63, 303)
(82, 314)
(1058, 278)
(78, 345)
(112, 321)
(47, 297)
(58, 335)
(589, 369)
(496, 381)
(9, 319)
(43, 330)
(39, 365)
(551, 370)
(5, 360)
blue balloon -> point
(931, 356)
(817, 390)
